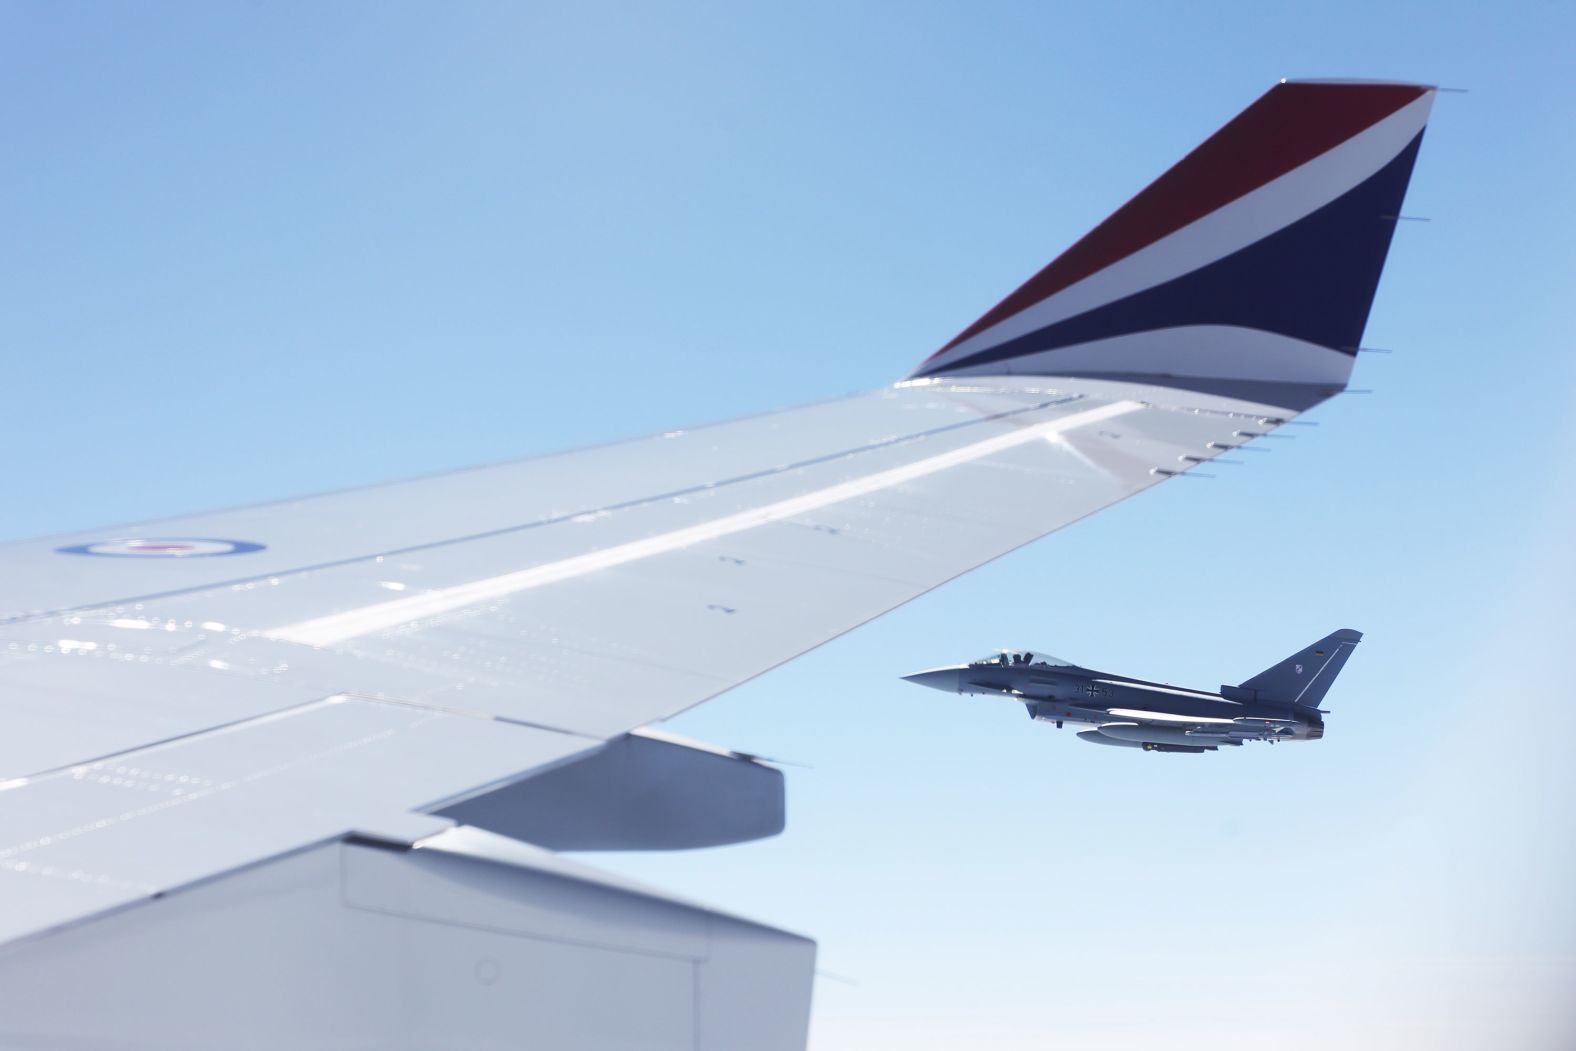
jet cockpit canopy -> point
(1008, 658)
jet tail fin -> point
(1304, 677)
(1254, 259)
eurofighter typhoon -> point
(1280, 703)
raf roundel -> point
(163, 547)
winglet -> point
(1255, 258)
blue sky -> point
(256, 251)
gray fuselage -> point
(1125, 711)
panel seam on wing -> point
(353, 623)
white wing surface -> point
(253, 748)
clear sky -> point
(259, 250)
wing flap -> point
(467, 941)
(66, 706)
(121, 830)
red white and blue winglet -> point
(1255, 258)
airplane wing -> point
(294, 774)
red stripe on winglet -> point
(1288, 126)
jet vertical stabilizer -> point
(1305, 676)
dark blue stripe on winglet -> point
(1313, 280)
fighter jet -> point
(1280, 703)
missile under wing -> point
(293, 775)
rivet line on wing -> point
(353, 623)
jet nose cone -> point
(945, 679)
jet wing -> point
(227, 738)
